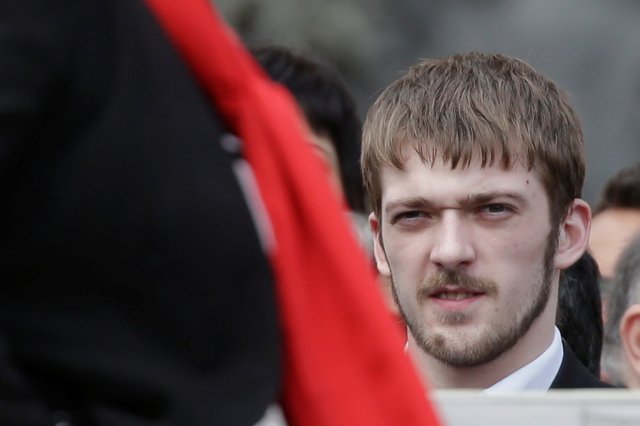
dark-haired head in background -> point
(329, 109)
(579, 306)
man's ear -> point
(378, 247)
(630, 337)
(382, 264)
(573, 235)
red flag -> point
(344, 358)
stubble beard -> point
(493, 343)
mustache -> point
(454, 279)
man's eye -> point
(408, 216)
(495, 209)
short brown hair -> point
(489, 105)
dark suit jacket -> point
(133, 288)
(573, 374)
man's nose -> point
(453, 242)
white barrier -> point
(615, 407)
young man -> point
(474, 166)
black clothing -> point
(133, 287)
(573, 374)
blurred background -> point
(590, 48)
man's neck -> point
(440, 375)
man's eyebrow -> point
(409, 202)
(470, 200)
(485, 197)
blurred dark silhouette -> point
(579, 316)
(135, 288)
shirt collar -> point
(538, 374)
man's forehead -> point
(420, 179)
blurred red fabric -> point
(344, 355)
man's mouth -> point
(450, 295)
(454, 295)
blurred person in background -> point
(329, 110)
(621, 358)
(334, 126)
(616, 218)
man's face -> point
(470, 254)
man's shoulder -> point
(574, 375)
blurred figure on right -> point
(621, 357)
(616, 219)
